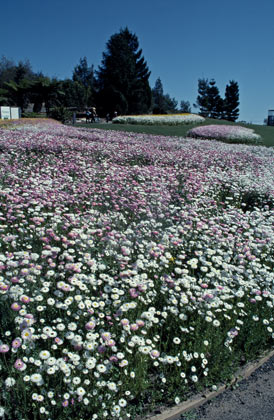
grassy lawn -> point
(266, 132)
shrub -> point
(61, 114)
(31, 115)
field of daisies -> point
(134, 269)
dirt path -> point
(252, 399)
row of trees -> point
(163, 104)
(120, 84)
(211, 104)
(19, 86)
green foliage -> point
(15, 82)
(75, 94)
(10, 71)
(122, 78)
(19, 86)
(3, 96)
(185, 106)
(61, 114)
(202, 98)
(48, 91)
(231, 102)
(266, 132)
(211, 104)
(83, 74)
(31, 115)
(209, 100)
(158, 97)
(82, 88)
(23, 71)
(215, 102)
(162, 103)
(18, 93)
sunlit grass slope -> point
(266, 132)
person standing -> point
(88, 114)
(93, 114)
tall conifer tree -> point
(231, 101)
(122, 78)
(84, 85)
(202, 98)
(158, 97)
(215, 102)
(209, 100)
(162, 103)
(83, 73)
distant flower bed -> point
(21, 122)
(169, 119)
(8, 123)
(231, 133)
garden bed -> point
(228, 133)
(135, 268)
(167, 119)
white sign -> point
(5, 112)
(15, 113)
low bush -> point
(61, 114)
(31, 115)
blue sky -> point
(181, 40)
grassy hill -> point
(266, 132)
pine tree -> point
(170, 104)
(162, 103)
(158, 97)
(15, 82)
(231, 101)
(185, 107)
(202, 98)
(215, 102)
(122, 78)
(209, 100)
(12, 72)
(83, 74)
(76, 95)
(84, 84)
